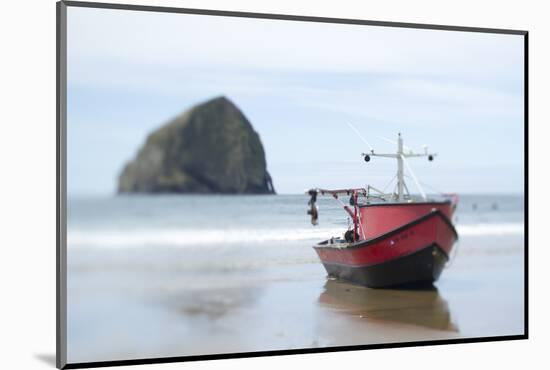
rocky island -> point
(210, 148)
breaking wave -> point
(186, 237)
(491, 229)
(220, 237)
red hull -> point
(378, 219)
(406, 243)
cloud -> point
(179, 40)
(389, 73)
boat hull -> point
(419, 268)
(414, 253)
(380, 218)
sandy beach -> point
(144, 313)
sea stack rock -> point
(211, 148)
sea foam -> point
(219, 237)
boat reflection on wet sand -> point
(422, 306)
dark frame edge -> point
(225, 356)
(526, 181)
(61, 224)
(287, 17)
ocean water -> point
(240, 225)
(187, 220)
(172, 275)
(223, 237)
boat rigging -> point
(395, 238)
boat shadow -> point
(420, 305)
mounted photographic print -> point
(237, 184)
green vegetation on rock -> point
(211, 148)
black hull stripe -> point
(402, 204)
(421, 267)
(433, 245)
(369, 242)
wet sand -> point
(142, 313)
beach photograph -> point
(240, 185)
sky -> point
(300, 84)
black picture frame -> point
(61, 186)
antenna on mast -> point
(360, 136)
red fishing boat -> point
(394, 239)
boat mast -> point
(401, 156)
(400, 172)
